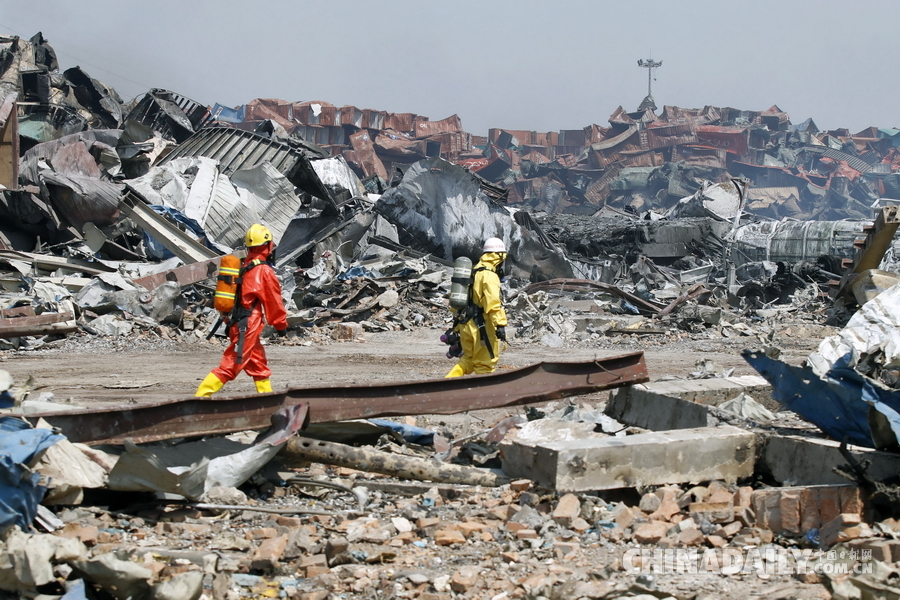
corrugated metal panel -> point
(350, 115)
(644, 159)
(373, 119)
(572, 137)
(279, 111)
(236, 149)
(614, 141)
(257, 195)
(313, 112)
(702, 156)
(453, 142)
(732, 139)
(854, 161)
(362, 144)
(523, 137)
(403, 122)
(425, 129)
(669, 135)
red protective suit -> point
(261, 293)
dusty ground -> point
(85, 369)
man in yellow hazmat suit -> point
(484, 325)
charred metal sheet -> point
(171, 114)
(205, 416)
(184, 275)
(38, 325)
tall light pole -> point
(649, 64)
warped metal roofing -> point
(236, 149)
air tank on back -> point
(459, 283)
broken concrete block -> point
(679, 456)
(517, 454)
(650, 502)
(714, 512)
(347, 332)
(655, 411)
(810, 461)
(789, 507)
(448, 537)
(464, 579)
(567, 510)
(651, 532)
(269, 553)
(843, 528)
(667, 509)
(882, 550)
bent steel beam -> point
(227, 414)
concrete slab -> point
(657, 412)
(517, 455)
(711, 392)
(658, 458)
(795, 460)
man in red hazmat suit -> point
(484, 325)
(259, 300)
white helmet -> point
(494, 245)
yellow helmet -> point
(257, 235)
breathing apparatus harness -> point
(240, 316)
(470, 311)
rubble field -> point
(700, 398)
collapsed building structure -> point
(115, 214)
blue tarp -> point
(157, 250)
(837, 403)
(20, 489)
(409, 433)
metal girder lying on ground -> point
(183, 275)
(227, 414)
(38, 325)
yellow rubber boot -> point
(456, 371)
(210, 385)
(263, 386)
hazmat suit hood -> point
(493, 262)
(261, 252)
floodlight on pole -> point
(649, 64)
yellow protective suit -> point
(485, 294)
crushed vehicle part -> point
(207, 416)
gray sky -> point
(525, 64)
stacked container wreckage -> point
(115, 215)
